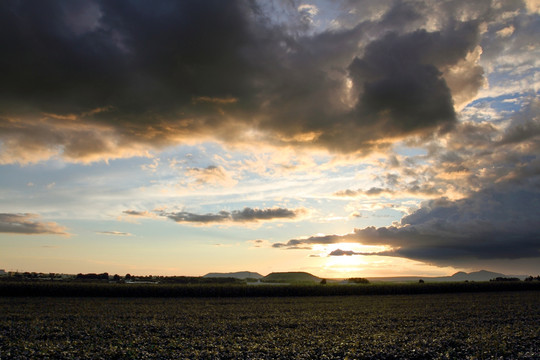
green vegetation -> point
(440, 326)
(358, 281)
(242, 289)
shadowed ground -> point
(442, 326)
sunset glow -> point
(344, 139)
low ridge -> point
(290, 277)
(236, 275)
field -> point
(495, 325)
(106, 289)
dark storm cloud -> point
(400, 79)
(496, 223)
(28, 224)
(238, 216)
(146, 65)
(134, 56)
(132, 76)
(396, 89)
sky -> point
(342, 138)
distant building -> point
(3, 272)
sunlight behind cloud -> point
(156, 128)
(355, 247)
(347, 265)
(379, 266)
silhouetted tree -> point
(359, 280)
(505, 279)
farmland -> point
(213, 289)
(423, 326)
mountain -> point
(290, 277)
(482, 275)
(236, 275)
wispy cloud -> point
(114, 233)
(139, 213)
(211, 175)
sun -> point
(348, 265)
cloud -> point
(215, 100)
(500, 222)
(400, 81)
(307, 13)
(100, 80)
(524, 126)
(339, 252)
(404, 190)
(374, 191)
(533, 6)
(28, 224)
(133, 215)
(31, 139)
(476, 154)
(138, 213)
(259, 243)
(211, 175)
(115, 233)
(247, 215)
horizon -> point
(343, 139)
(221, 274)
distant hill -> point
(290, 277)
(236, 275)
(482, 275)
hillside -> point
(290, 277)
(481, 275)
(236, 275)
